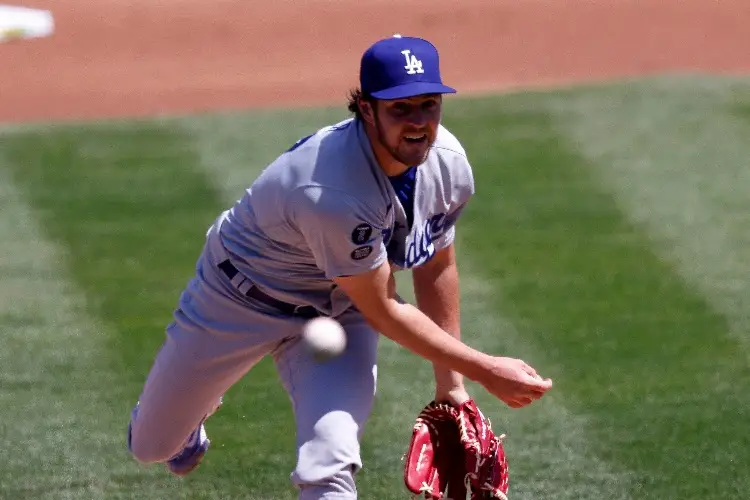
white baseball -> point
(324, 337)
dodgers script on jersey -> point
(325, 209)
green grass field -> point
(608, 245)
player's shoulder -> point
(309, 146)
(321, 157)
(448, 144)
(334, 160)
(332, 174)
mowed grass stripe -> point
(127, 204)
(548, 444)
(61, 434)
(634, 349)
(674, 153)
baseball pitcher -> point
(320, 233)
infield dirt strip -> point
(140, 57)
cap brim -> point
(413, 89)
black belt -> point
(255, 293)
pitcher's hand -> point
(513, 382)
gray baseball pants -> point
(216, 337)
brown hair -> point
(355, 96)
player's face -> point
(407, 128)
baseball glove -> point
(453, 454)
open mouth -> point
(415, 138)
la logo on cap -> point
(413, 65)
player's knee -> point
(146, 449)
(329, 457)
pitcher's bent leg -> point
(332, 401)
(193, 369)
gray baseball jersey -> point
(325, 209)
(322, 209)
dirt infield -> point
(138, 57)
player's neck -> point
(390, 166)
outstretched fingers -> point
(535, 383)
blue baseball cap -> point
(401, 67)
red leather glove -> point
(454, 454)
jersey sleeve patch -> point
(360, 253)
(362, 234)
